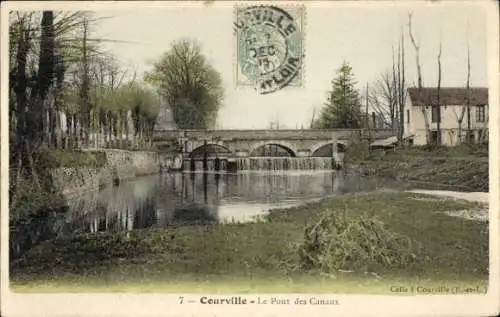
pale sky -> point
(362, 35)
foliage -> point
(57, 158)
(28, 199)
(343, 109)
(57, 70)
(189, 84)
(145, 108)
(356, 151)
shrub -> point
(357, 151)
(337, 242)
(55, 158)
(27, 199)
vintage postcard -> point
(218, 158)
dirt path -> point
(480, 214)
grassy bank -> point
(35, 195)
(463, 167)
(56, 158)
(265, 256)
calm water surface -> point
(177, 199)
(196, 198)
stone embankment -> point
(120, 165)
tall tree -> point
(189, 84)
(343, 107)
(401, 88)
(438, 99)
(383, 99)
(460, 117)
(423, 108)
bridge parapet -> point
(289, 134)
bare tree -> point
(423, 107)
(367, 116)
(388, 94)
(84, 89)
(460, 117)
(382, 97)
(401, 91)
(438, 123)
(468, 91)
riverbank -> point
(68, 173)
(37, 203)
(462, 168)
(118, 166)
(266, 256)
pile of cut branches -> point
(359, 243)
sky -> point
(360, 35)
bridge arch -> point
(288, 147)
(325, 148)
(212, 149)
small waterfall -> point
(284, 163)
(260, 164)
(213, 164)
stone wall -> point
(276, 134)
(121, 165)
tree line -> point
(382, 105)
(67, 92)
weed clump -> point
(362, 243)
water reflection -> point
(179, 199)
(200, 198)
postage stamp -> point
(270, 46)
(138, 177)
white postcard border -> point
(16, 304)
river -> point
(176, 199)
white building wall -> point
(449, 122)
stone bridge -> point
(247, 143)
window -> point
(435, 138)
(481, 113)
(407, 116)
(435, 114)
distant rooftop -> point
(449, 96)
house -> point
(422, 105)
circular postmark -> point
(269, 47)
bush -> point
(55, 158)
(357, 151)
(28, 199)
(337, 242)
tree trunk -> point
(402, 91)
(420, 84)
(127, 130)
(439, 98)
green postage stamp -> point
(269, 46)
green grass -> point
(56, 158)
(248, 257)
(464, 168)
(342, 283)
